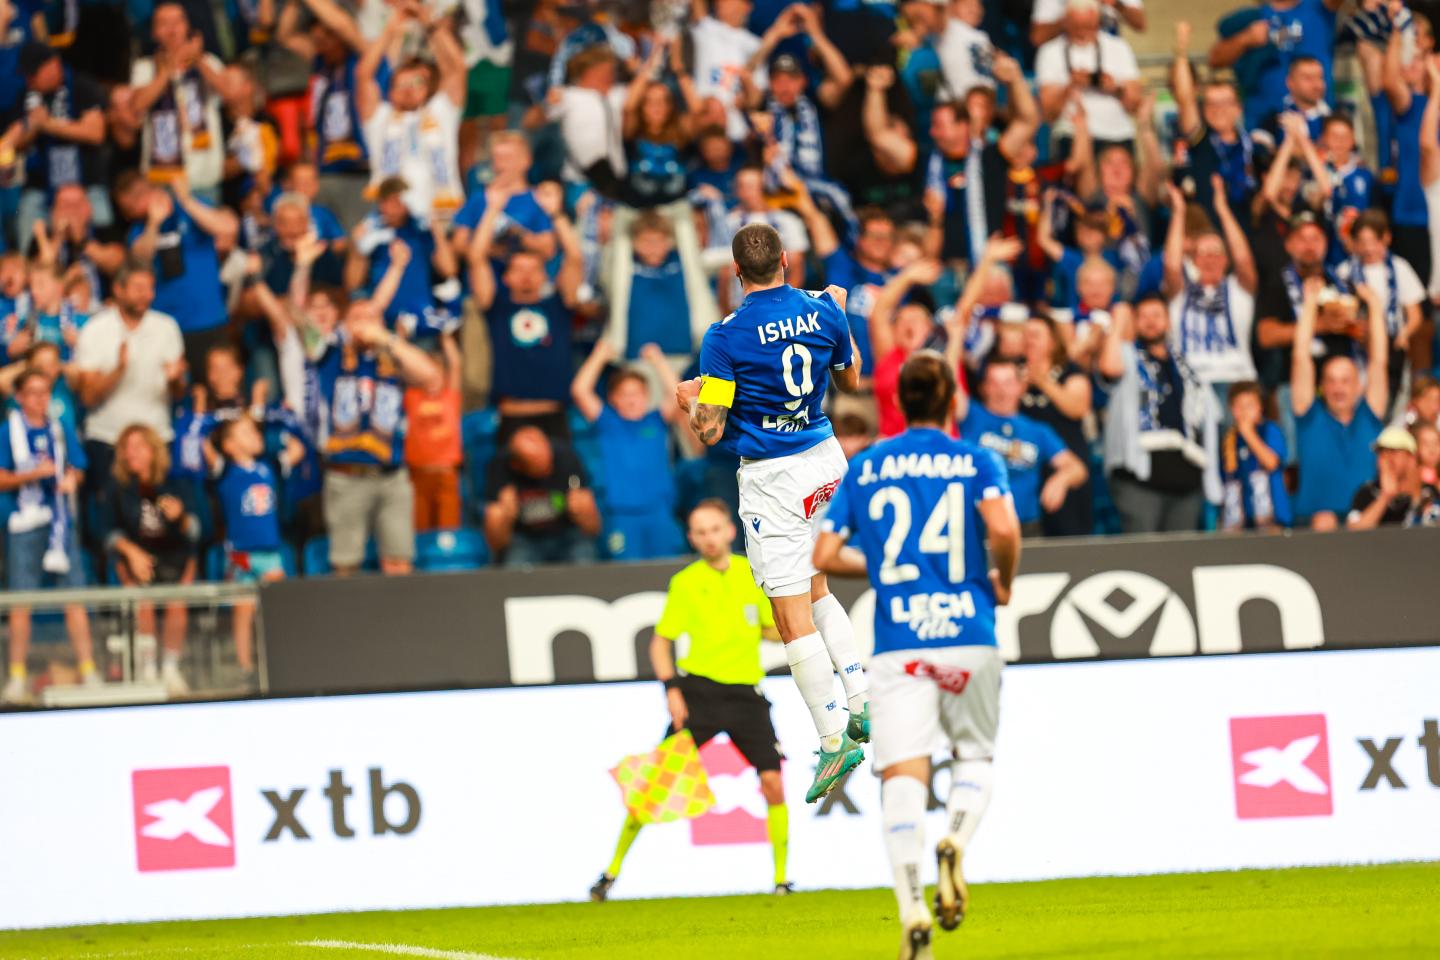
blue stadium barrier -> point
(449, 550)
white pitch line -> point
(400, 949)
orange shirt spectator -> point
(432, 446)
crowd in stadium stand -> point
(315, 285)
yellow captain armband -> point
(720, 393)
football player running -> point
(921, 507)
(764, 372)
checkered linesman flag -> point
(668, 783)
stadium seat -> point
(478, 425)
(587, 447)
(449, 550)
(213, 566)
(478, 429)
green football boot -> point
(832, 766)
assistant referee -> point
(717, 604)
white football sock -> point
(903, 800)
(834, 625)
(969, 796)
(810, 666)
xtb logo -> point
(183, 818)
(286, 808)
(1281, 766)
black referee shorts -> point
(734, 709)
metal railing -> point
(126, 657)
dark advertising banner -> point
(1074, 600)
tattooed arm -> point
(706, 419)
(708, 422)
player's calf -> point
(969, 796)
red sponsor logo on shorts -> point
(949, 679)
(819, 498)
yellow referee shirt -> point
(722, 612)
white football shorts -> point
(923, 702)
(782, 501)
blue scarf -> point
(1237, 164)
(40, 502)
(1393, 321)
(1248, 500)
(1205, 322)
(1157, 380)
(797, 130)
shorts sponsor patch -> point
(819, 498)
(949, 679)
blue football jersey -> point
(910, 504)
(248, 501)
(770, 363)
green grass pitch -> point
(1382, 911)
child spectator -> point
(49, 318)
(249, 504)
(152, 537)
(220, 397)
(1424, 402)
(41, 463)
(81, 295)
(1393, 279)
(45, 357)
(656, 307)
(638, 482)
(1350, 186)
(1091, 241)
(1252, 465)
(432, 445)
